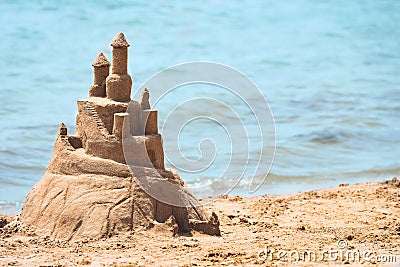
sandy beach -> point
(350, 224)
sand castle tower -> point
(119, 83)
(88, 190)
(101, 71)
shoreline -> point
(13, 208)
(363, 216)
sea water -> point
(330, 71)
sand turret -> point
(101, 67)
(119, 83)
(144, 101)
(120, 54)
(121, 125)
(62, 129)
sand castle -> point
(89, 189)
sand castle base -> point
(81, 196)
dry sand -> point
(361, 217)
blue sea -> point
(330, 71)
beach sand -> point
(334, 223)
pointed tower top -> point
(145, 91)
(62, 129)
(101, 61)
(144, 101)
(120, 41)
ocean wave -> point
(326, 136)
(315, 178)
(10, 208)
(8, 152)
